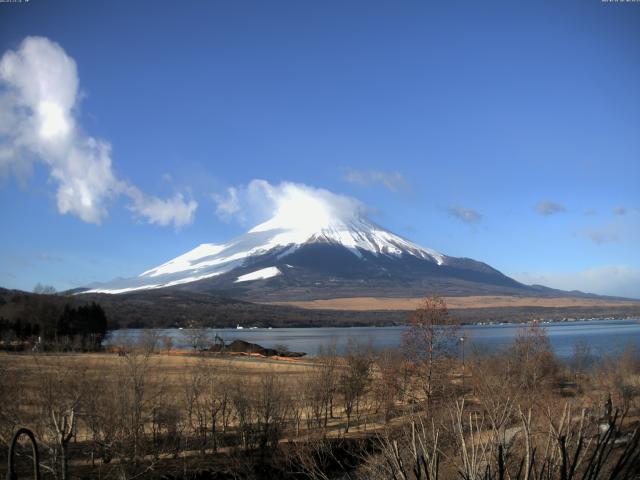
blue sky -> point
(501, 131)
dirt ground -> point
(408, 303)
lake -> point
(605, 337)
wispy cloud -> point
(392, 181)
(619, 210)
(617, 280)
(45, 257)
(227, 204)
(601, 236)
(21, 262)
(38, 122)
(546, 207)
(466, 215)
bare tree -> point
(217, 401)
(408, 454)
(531, 360)
(149, 340)
(498, 397)
(167, 342)
(431, 335)
(60, 390)
(134, 398)
(271, 408)
(320, 387)
(243, 407)
(388, 386)
(581, 358)
(197, 338)
(11, 390)
(297, 404)
(354, 379)
(316, 459)
(196, 402)
(618, 377)
(101, 413)
(44, 289)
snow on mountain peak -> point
(185, 261)
(303, 215)
(261, 274)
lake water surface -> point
(605, 337)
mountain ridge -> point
(322, 255)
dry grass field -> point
(168, 371)
(135, 414)
(409, 303)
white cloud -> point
(393, 181)
(38, 122)
(290, 203)
(175, 210)
(616, 280)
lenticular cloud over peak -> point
(288, 206)
(39, 96)
(301, 207)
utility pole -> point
(462, 350)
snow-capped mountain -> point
(312, 251)
(276, 239)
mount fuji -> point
(314, 249)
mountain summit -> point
(315, 249)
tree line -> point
(49, 322)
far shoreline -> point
(541, 322)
